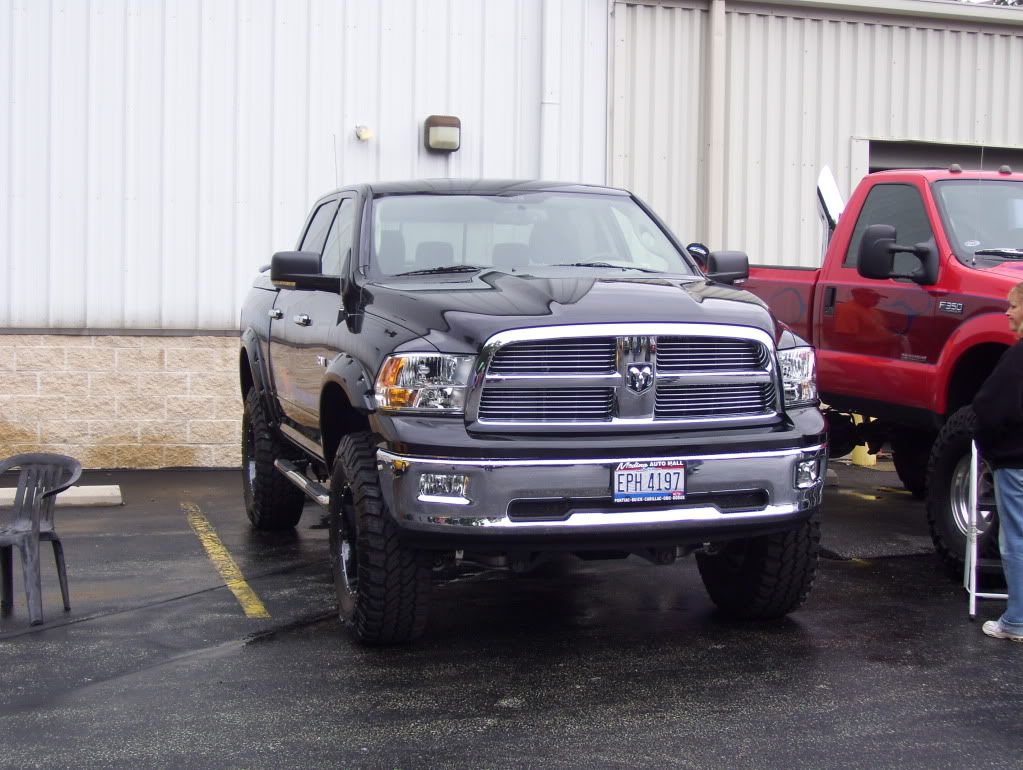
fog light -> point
(450, 488)
(808, 472)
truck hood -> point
(459, 315)
(1011, 270)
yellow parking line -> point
(861, 495)
(225, 565)
(893, 490)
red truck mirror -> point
(876, 256)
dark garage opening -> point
(885, 155)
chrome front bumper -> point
(582, 487)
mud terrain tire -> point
(383, 587)
(271, 501)
(763, 577)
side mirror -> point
(301, 270)
(728, 266)
(876, 257)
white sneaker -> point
(994, 628)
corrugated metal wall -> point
(154, 153)
(658, 91)
(802, 86)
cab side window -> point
(898, 205)
(339, 241)
(316, 233)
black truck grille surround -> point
(726, 375)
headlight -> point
(798, 376)
(423, 382)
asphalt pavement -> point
(579, 664)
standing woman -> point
(999, 410)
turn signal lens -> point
(426, 382)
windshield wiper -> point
(607, 264)
(1008, 253)
(443, 269)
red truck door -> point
(876, 339)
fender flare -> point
(989, 328)
(349, 376)
(354, 379)
(257, 365)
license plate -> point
(652, 481)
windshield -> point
(536, 233)
(983, 217)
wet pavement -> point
(580, 664)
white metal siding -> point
(154, 154)
(802, 84)
(657, 114)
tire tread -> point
(392, 600)
(764, 577)
(272, 502)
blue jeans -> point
(1009, 498)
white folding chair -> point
(972, 564)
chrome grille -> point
(696, 401)
(630, 375)
(708, 354)
(543, 405)
(577, 356)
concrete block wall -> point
(122, 401)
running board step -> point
(315, 490)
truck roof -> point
(483, 187)
(936, 174)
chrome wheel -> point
(960, 496)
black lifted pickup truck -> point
(491, 371)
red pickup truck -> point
(907, 316)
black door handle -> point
(829, 300)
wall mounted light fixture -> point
(442, 133)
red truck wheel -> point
(948, 491)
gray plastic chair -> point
(41, 477)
